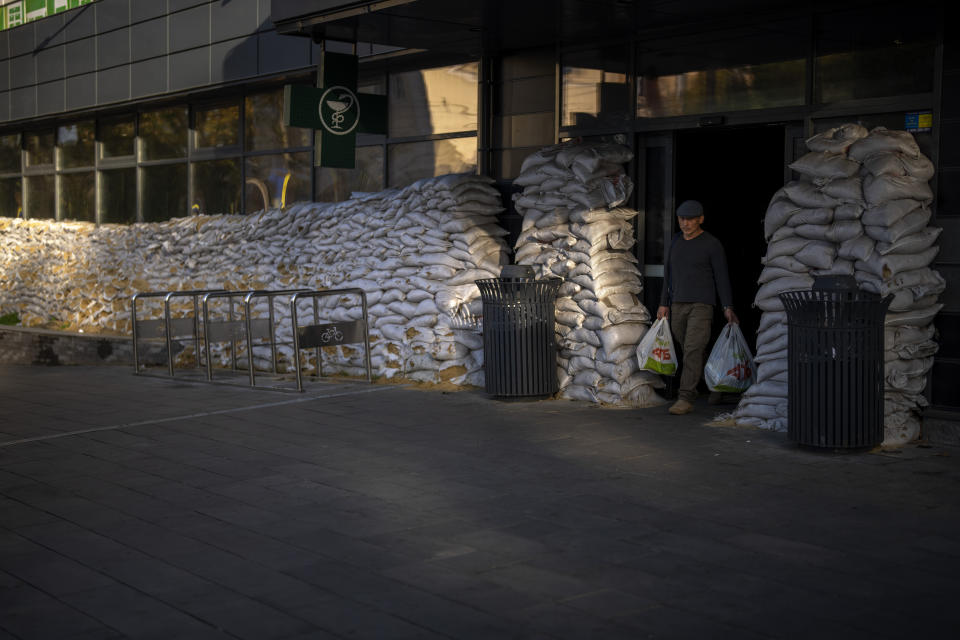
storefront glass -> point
(411, 161)
(40, 192)
(163, 134)
(164, 192)
(263, 124)
(433, 101)
(335, 185)
(595, 88)
(277, 180)
(118, 193)
(78, 196)
(218, 127)
(885, 55)
(10, 198)
(117, 138)
(750, 67)
(39, 147)
(216, 186)
(76, 144)
(10, 153)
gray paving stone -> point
(415, 514)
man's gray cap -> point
(690, 209)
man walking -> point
(695, 274)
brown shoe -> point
(681, 407)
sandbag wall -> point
(574, 230)
(861, 208)
(415, 252)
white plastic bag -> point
(655, 351)
(730, 365)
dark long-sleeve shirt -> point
(696, 271)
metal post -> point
(296, 340)
(366, 335)
(133, 325)
(196, 330)
(316, 320)
(206, 338)
(273, 336)
(246, 317)
(166, 331)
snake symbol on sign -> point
(340, 106)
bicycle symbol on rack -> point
(332, 334)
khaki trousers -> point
(690, 323)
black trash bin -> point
(519, 347)
(835, 364)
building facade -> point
(120, 111)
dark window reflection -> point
(277, 180)
(216, 186)
(39, 148)
(336, 185)
(40, 192)
(10, 198)
(218, 127)
(77, 144)
(117, 138)
(884, 56)
(118, 191)
(77, 196)
(10, 153)
(595, 88)
(414, 160)
(163, 134)
(264, 128)
(164, 192)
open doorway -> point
(733, 172)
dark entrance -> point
(734, 172)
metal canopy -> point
(477, 27)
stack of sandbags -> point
(414, 251)
(574, 230)
(861, 209)
(806, 221)
(897, 193)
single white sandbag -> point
(913, 222)
(883, 140)
(837, 139)
(808, 195)
(820, 164)
(913, 243)
(878, 189)
(858, 248)
(897, 164)
(890, 212)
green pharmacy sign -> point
(335, 110)
(13, 13)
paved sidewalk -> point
(148, 508)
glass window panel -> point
(163, 134)
(117, 138)
(751, 67)
(164, 192)
(77, 144)
(883, 56)
(264, 124)
(411, 161)
(39, 148)
(277, 181)
(218, 127)
(10, 198)
(595, 88)
(336, 185)
(78, 196)
(119, 195)
(216, 186)
(40, 203)
(10, 153)
(442, 100)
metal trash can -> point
(835, 364)
(519, 346)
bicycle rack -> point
(329, 334)
(251, 332)
(169, 328)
